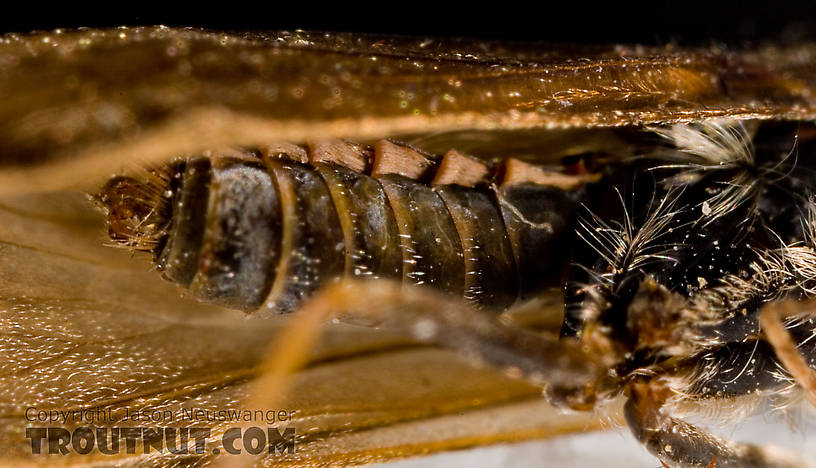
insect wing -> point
(85, 328)
(79, 103)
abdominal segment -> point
(263, 231)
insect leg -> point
(771, 319)
(567, 369)
(684, 445)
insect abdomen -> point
(266, 231)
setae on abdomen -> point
(265, 230)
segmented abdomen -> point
(265, 231)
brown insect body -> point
(267, 232)
(80, 105)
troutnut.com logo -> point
(115, 440)
(183, 431)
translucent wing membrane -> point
(697, 218)
(142, 95)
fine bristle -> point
(625, 249)
(138, 211)
(720, 145)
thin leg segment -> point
(682, 445)
(771, 319)
(567, 369)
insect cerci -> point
(618, 226)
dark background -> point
(657, 22)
